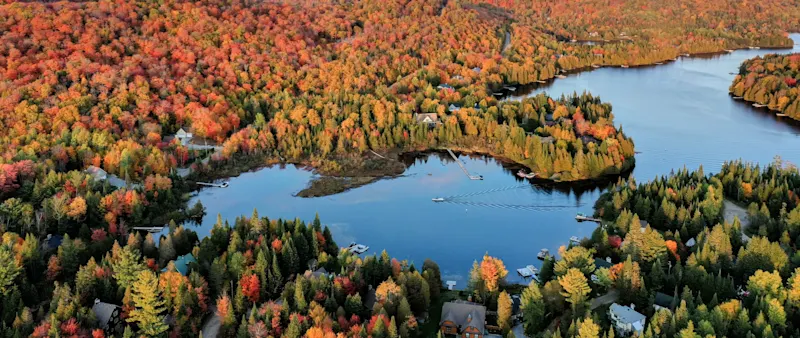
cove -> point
(679, 114)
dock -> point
(149, 229)
(583, 218)
(529, 271)
(357, 248)
(476, 177)
(216, 185)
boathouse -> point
(464, 319)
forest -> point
(107, 83)
(770, 80)
(263, 277)
(665, 249)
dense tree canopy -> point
(770, 80)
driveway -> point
(212, 324)
(607, 298)
(733, 210)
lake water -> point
(679, 114)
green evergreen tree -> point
(148, 305)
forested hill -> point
(770, 80)
(105, 83)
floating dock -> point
(529, 271)
(357, 248)
(543, 254)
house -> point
(429, 118)
(107, 316)
(97, 173)
(463, 319)
(663, 301)
(52, 242)
(453, 107)
(183, 136)
(626, 320)
(644, 225)
(321, 272)
(476, 69)
(444, 86)
(182, 264)
(691, 242)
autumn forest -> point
(97, 99)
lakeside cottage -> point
(97, 173)
(626, 320)
(663, 301)
(463, 319)
(182, 264)
(107, 316)
(427, 118)
(183, 136)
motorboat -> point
(438, 199)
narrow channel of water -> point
(678, 114)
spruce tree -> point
(148, 305)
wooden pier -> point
(478, 177)
(584, 218)
(149, 229)
(216, 185)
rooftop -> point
(464, 314)
(103, 312)
(626, 314)
(182, 264)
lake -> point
(679, 114)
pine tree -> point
(588, 329)
(299, 295)
(127, 267)
(9, 269)
(148, 305)
(392, 329)
(166, 250)
(532, 309)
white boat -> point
(510, 88)
(543, 254)
(659, 63)
(729, 50)
(574, 239)
(624, 66)
(754, 47)
(497, 94)
(438, 199)
(561, 76)
(524, 175)
(357, 248)
(595, 66)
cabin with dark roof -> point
(463, 319)
(663, 301)
(107, 316)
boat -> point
(574, 239)
(581, 217)
(543, 254)
(781, 115)
(624, 66)
(737, 97)
(561, 76)
(541, 81)
(729, 50)
(497, 94)
(659, 63)
(754, 47)
(685, 54)
(438, 199)
(510, 88)
(758, 105)
(595, 66)
(524, 175)
(223, 185)
(357, 248)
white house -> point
(626, 320)
(183, 136)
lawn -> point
(431, 325)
